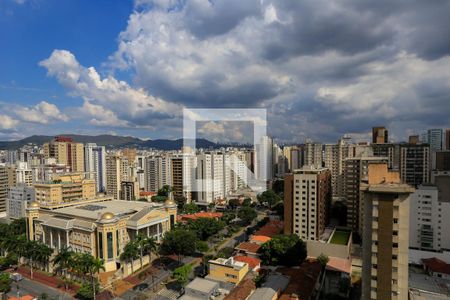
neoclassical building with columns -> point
(100, 226)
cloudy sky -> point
(320, 68)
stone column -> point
(51, 237)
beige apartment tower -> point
(307, 200)
(385, 235)
(66, 152)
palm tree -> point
(63, 259)
(152, 247)
(129, 254)
(142, 243)
(44, 254)
(95, 266)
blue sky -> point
(130, 67)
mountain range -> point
(111, 141)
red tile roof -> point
(248, 247)
(144, 193)
(195, 216)
(271, 229)
(303, 280)
(339, 264)
(251, 261)
(242, 291)
(26, 297)
(260, 239)
(436, 265)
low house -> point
(227, 270)
(436, 267)
(337, 276)
(274, 285)
(248, 249)
(200, 289)
(242, 291)
(305, 281)
(259, 239)
(253, 263)
(208, 215)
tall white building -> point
(264, 159)
(435, 138)
(429, 220)
(95, 165)
(313, 154)
(157, 172)
(334, 157)
(24, 175)
(19, 197)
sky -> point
(321, 69)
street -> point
(27, 286)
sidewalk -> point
(45, 279)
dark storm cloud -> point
(322, 68)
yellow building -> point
(66, 152)
(227, 270)
(99, 226)
(65, 188)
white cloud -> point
(43, 113)
(109, 101)
(7, 123)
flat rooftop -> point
(93, 210)
(340, 237)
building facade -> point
(66, 152)
(65, 188)
(415, 163)
(385, 235)
(307, 201)
(99, 226)
(95, 165)
(19, 197)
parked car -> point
(16, 277)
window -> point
(109, 241)
(100, 244)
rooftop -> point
(251, 261)
(228, 262)
(94, 210)
(260, 238)
(248, 247)
(340, 237)
(202, 285)
(436, 265)
(242, 291)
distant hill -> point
(110, 141)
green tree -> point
(129, 254)
(190, 208)
(234, 203)
(5, 283)
(278, 186)
(247, 214)
(279, 209)
(63, 260)
(164, 191)
(85, 291)
(323, 260)
(225, 252)
(247, 202)
(159, 198)
(206, 227)
(182, 273)
(145, 245)
(202, 246)
(179, 241)
(286, 250)
(269, 198)
(180, 200)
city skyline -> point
(131, 68)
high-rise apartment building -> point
(380, 135)
(157, 171)
(65, 188)
(391, 151)
(355, 170)
(24, 174)
(3, 187)
(313, 154)
(19, 197)
(66, 152)
(441, 160)
(307, 200)
(264, 159)
(429, 220)
(95, 165)
(116, 172)
(415, 163)
(385, 235)
(129, 190)
(334, 156)
(447, 139)
(435, 139)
